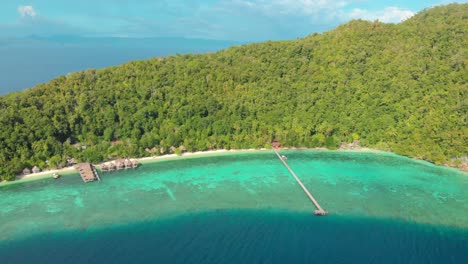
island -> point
(393, 87)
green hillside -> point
(401, 88)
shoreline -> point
(43, 173)
(71, 169)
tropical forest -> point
(394, 87)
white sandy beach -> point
(45, 173)
(68, 170)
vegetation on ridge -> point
(396, 87)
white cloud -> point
(389, 14)
(321, 11)
(27, 11)
(290, 7)
(395, 14)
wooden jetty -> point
(87, 172)
(319, 210)
(96, 173)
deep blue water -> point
(27, 62)
(233, 236)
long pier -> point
(319, 210)
(96, 173)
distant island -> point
(399, 88)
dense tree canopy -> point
(397, 87)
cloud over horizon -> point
(27, 11)
(389, 14)
(238, 20)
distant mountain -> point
(28, 61)
(400, 88)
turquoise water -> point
(249, 202)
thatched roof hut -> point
(276, 144)
(104, 167)
(183, 148)
(128, 164)
(36, 169)
(26, 171)
(71, 161)
(120, 164)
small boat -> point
(284, 157)
(55, 176)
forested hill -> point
(399, 87)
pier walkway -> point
(319, 210)
(87, 172)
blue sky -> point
(239, 20)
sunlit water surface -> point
(244, 207)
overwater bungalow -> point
(120, 164)
(128, 164)
(104, 168)
(111, 166)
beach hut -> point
(71, 161)
(128, 164)
(172, 149)
(26, 171)
(276, 144)
(111, 166)
(120, 164)
(36, 169)
(104, 168)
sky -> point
(43, 39)
(238, 20)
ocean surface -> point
(27, 62)
(243, 208)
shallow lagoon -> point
(376, 187)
